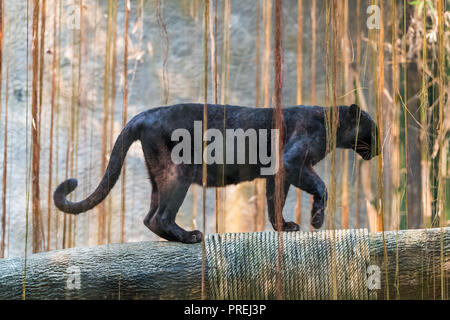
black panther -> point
(304, 141)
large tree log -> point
(148, 270)
(411, 268)
(167, 270)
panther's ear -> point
(354, 111)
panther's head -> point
(359, 132)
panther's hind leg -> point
(154, 204)
(171, 197)
(270, 194)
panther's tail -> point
(126, 138)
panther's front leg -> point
(270, 194)
(301, 174)
(313, 184)
(307, 180)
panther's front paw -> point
(193, 237)
(290, 226)
(317, 217)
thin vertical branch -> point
(396, 207)
(313, 61)
(333, 112)
(124, 116)
(279, 125)
(112, 104)
(441, 137)
(77, 93)
(52, 117)
(378, 59)
(38, 236)
(332, 120)
(214, 76)
(224, 92)
(425, 161)
(267, 13)
(298, 205)
(41, 73)
(345, 84)
(313, 51)
(41, 60)
(205, 127)
(396, 116)
(28, 171)
(265, 75)
(165, 35)
(57, 110)
(5, 160)
(93, 85)
(260, 209)
(405, 112)
(379, 118)
(358, 70)
(2, 244)
(106, 77)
